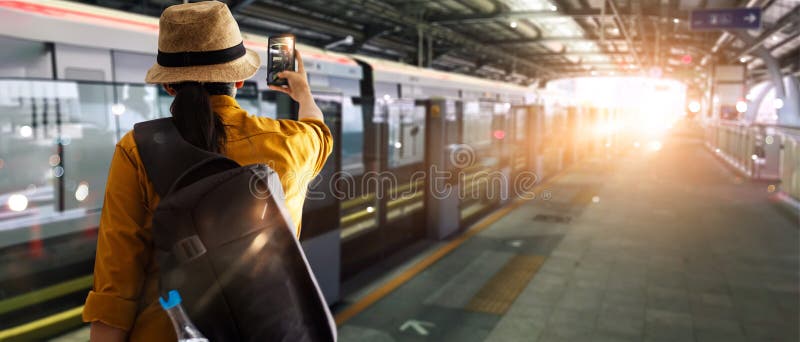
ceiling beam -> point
(574, 53)
(292, 19)
(591, 65)
(387, 12)
(237, 5)
(589, 38)
(621, 26)
(561, 39)
(481, 18)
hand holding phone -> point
(280, 57)
(296, 82)
(281, 76)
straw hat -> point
(201, 42)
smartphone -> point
(280, 57)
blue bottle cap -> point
(173, 300)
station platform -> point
(663, 246)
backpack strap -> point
(165, 154)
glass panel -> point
(269, 108)
(164, 102)
(406, 133)
(321, 190)
(352, 138)
(136, 103)
(247, 97)
(52, 180)
(477, 123)
(28, 155)
(89, 133)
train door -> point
(553, 144)
(588, 130)
(502, 130)
(571, 136)
(480, 173)
(363, 153)
(445, 159)
(386, 208)
(536, 120)
(403, 202)
(320, 226)
(520, 136)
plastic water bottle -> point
(184, 329)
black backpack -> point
(225, 241)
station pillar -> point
(536, 129)
(443, 153)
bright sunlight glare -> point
(646, 107)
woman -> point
(201, 62)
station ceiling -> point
(525, 41)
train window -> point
(477, 126)
(129, 67)
(74, 73)
(384, 90)
(427, 92)
(23, 58)
(406, 132)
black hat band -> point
(196, 58)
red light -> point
(499, 134)
(686, 59)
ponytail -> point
(194, 118)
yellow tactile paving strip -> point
(497, 295)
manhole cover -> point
(552, 218)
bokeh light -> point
(778, 103)
(741, 106)
(694, 106)
(54, 160)
(82, 191)
(17, 202)
(118, 109)
(25, 131)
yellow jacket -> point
(125, 291)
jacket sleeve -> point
(320, 143)
(123, 246)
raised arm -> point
(299, 91)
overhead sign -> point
(726, 19)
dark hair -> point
(193, 116)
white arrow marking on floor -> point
(750, 18)
(418, 326)
(515, 243)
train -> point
(71, 84)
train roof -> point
(93, 26)
(48, 20)
(394, 71)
